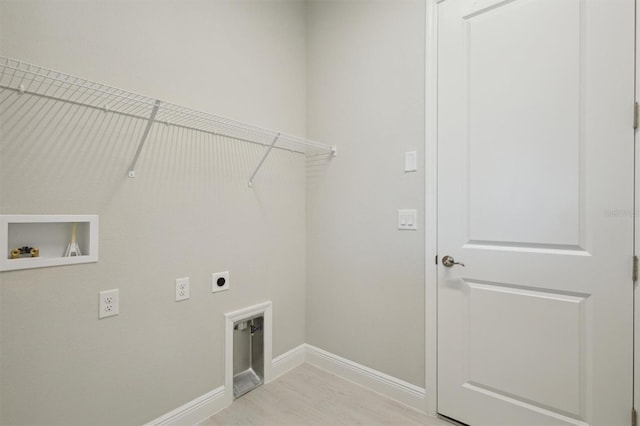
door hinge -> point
(634, 273)
(634, 417)
(636, 112)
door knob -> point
(449, 261)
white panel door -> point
(535, 197)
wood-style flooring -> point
(309, 396)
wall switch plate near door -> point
(410, 161)
(407, 219)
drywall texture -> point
(365, 93)
(189, 211)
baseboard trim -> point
(195, 411)
(392, 387)
(288, 361)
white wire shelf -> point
(35, 80)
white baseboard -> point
(288, 361)
(207, 405)
(195, 411)
(411, 395)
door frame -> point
(431, 212)
(636, 236)
(431, 208)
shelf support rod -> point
(264, 157)
(152, 118)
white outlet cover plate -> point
(407, 219)
(183, 289)
(109, 303)
(214, 281)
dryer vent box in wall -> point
(248, 355)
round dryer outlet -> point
(220, 281)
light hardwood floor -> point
(309, 396)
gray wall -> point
(365, 92)
(349, 72)
(188, 213)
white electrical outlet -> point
(220, 281)
(183, 291)
(109, 303)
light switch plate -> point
(407, 219)
(410, 161)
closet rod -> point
(31, 79)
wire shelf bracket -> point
(264, 157)
(152, 118)
(33, 80)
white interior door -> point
(535, 197)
